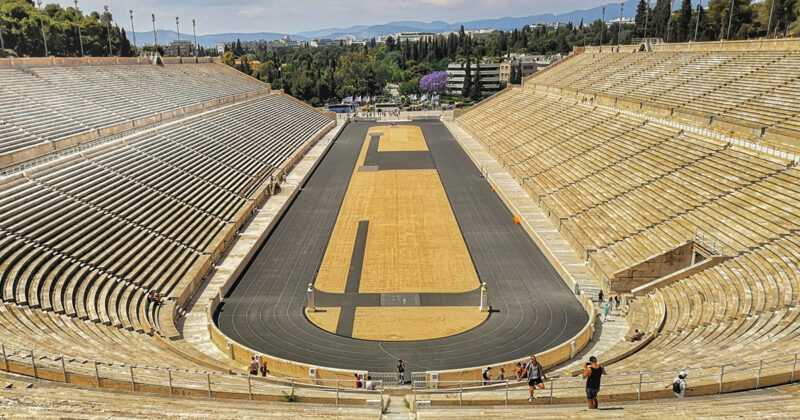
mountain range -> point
(367, 32)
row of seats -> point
(623, 189)
(39, 105)
(756, 89)
(742, 309)
(92, 235)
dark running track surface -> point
(535, 309)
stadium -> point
(170, 224)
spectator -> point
(253, 366)
(264, 370)
(358, 381)
(637, 335)
(502, 375)
(592, 373)
(679, 385)
(370, 384)
(617, 300)
(485, 375)
(606, 308)
(536, 376)
(518, 371)
(401, 372)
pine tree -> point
(661, 14)
(466, 89)
(642, 16)
(684, 21)
(476, 91)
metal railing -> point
(100, 374)
(715, 379)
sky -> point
(292, 16)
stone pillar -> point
(484, 298)
(310, 294)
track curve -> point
(535, 310)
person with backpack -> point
(679, 385)
(536, 376)
(592, 373)
(485, 375)
(358, 381)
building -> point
(490, 77)
(625, 21)
(481, 35)
(221, 48)
(323, 42)
(549, 26)
(183, 48)
(527, 67)
(413, 36)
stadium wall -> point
(548, 358)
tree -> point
(467, 87)
(684, 21)
(228, 59)
(476, 91)
(410, 87)
(390, 45)
(238, 50)
(434, 82)
(642, 16)
(661, 15)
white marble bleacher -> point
(43, 104)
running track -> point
(535, 310)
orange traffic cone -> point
(516, 220)
(492, 189)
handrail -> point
(706, 380)
(112, 375)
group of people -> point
(369, 385)
(256, 367)
(606, 306)
(530, 370)
(155, 297)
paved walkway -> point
(194, 326)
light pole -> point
(80, 36)
(697, 21)
(108, 30)
(646, 18)
(133, 31)
(603, 29)
(771, 9)
(619, 32)
(178, 26)
(41, 20)
(730, 21)
(155, 36)
(194, 32)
